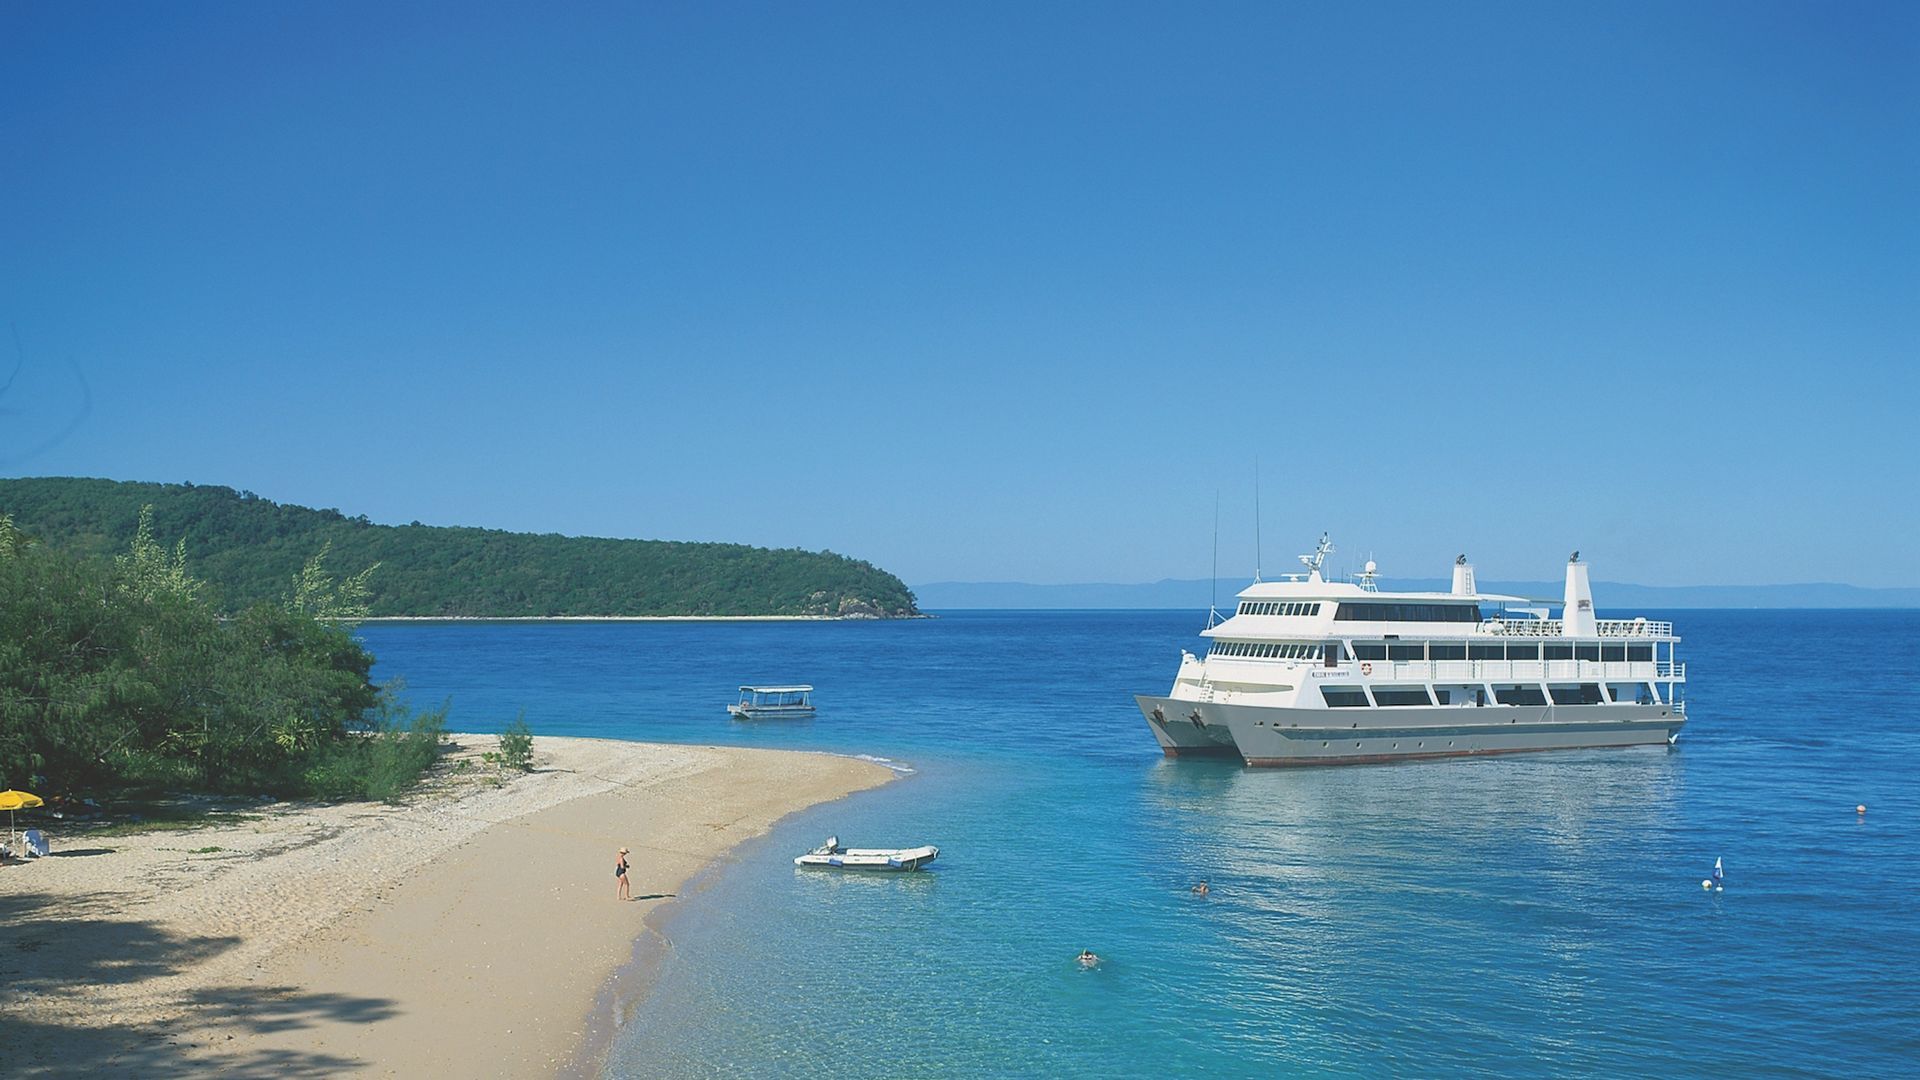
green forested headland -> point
(248, 549)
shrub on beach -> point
(120, 674)
(381, 764)
(516, 747)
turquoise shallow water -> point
(1537, 914)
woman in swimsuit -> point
(620, 874)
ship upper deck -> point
(1307, 606)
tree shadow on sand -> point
(56, 954)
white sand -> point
(463, 934)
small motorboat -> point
(834, 857)
(773, 703)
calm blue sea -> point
(1536, 914)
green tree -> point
(149, 571)
(317, 595)
(117, 672)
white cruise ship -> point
(1314, 672)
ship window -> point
(1639, 653)
(1519, 695)
(1559, 652)
(1438, 651)
(1413, 651)
(1369, 650)
(1613, 653)
(1371, 612)
(1486, 652)
(1344, 697)
(1402, 695)
(1523, 652)
(1332, 652)
(1587, 652)
(1583, 694)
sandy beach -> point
(467, 932)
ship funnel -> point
(1576, 614)
(1463, 577)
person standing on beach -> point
(620, 874)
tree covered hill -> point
(249, 549)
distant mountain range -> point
(1609, 596)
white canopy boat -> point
(833, 856)
(773, 703)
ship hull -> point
(1184, 730)
(1280, 737)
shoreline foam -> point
(470, 931)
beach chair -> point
(36, 842)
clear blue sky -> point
(992, 291)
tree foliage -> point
(318, 595)
(118, 672)
(246, 549)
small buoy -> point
(1861, 809)
(1706, 883)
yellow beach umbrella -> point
(11, 800)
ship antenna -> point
(1256, 518)
(1213, 596)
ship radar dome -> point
(1372, 567)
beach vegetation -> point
(246, 549)
(516, 747)
(119, 675)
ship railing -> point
(1634, 628)
(1606, 628)
(1519, 670)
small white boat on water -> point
(834, 857)
(773, 703)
